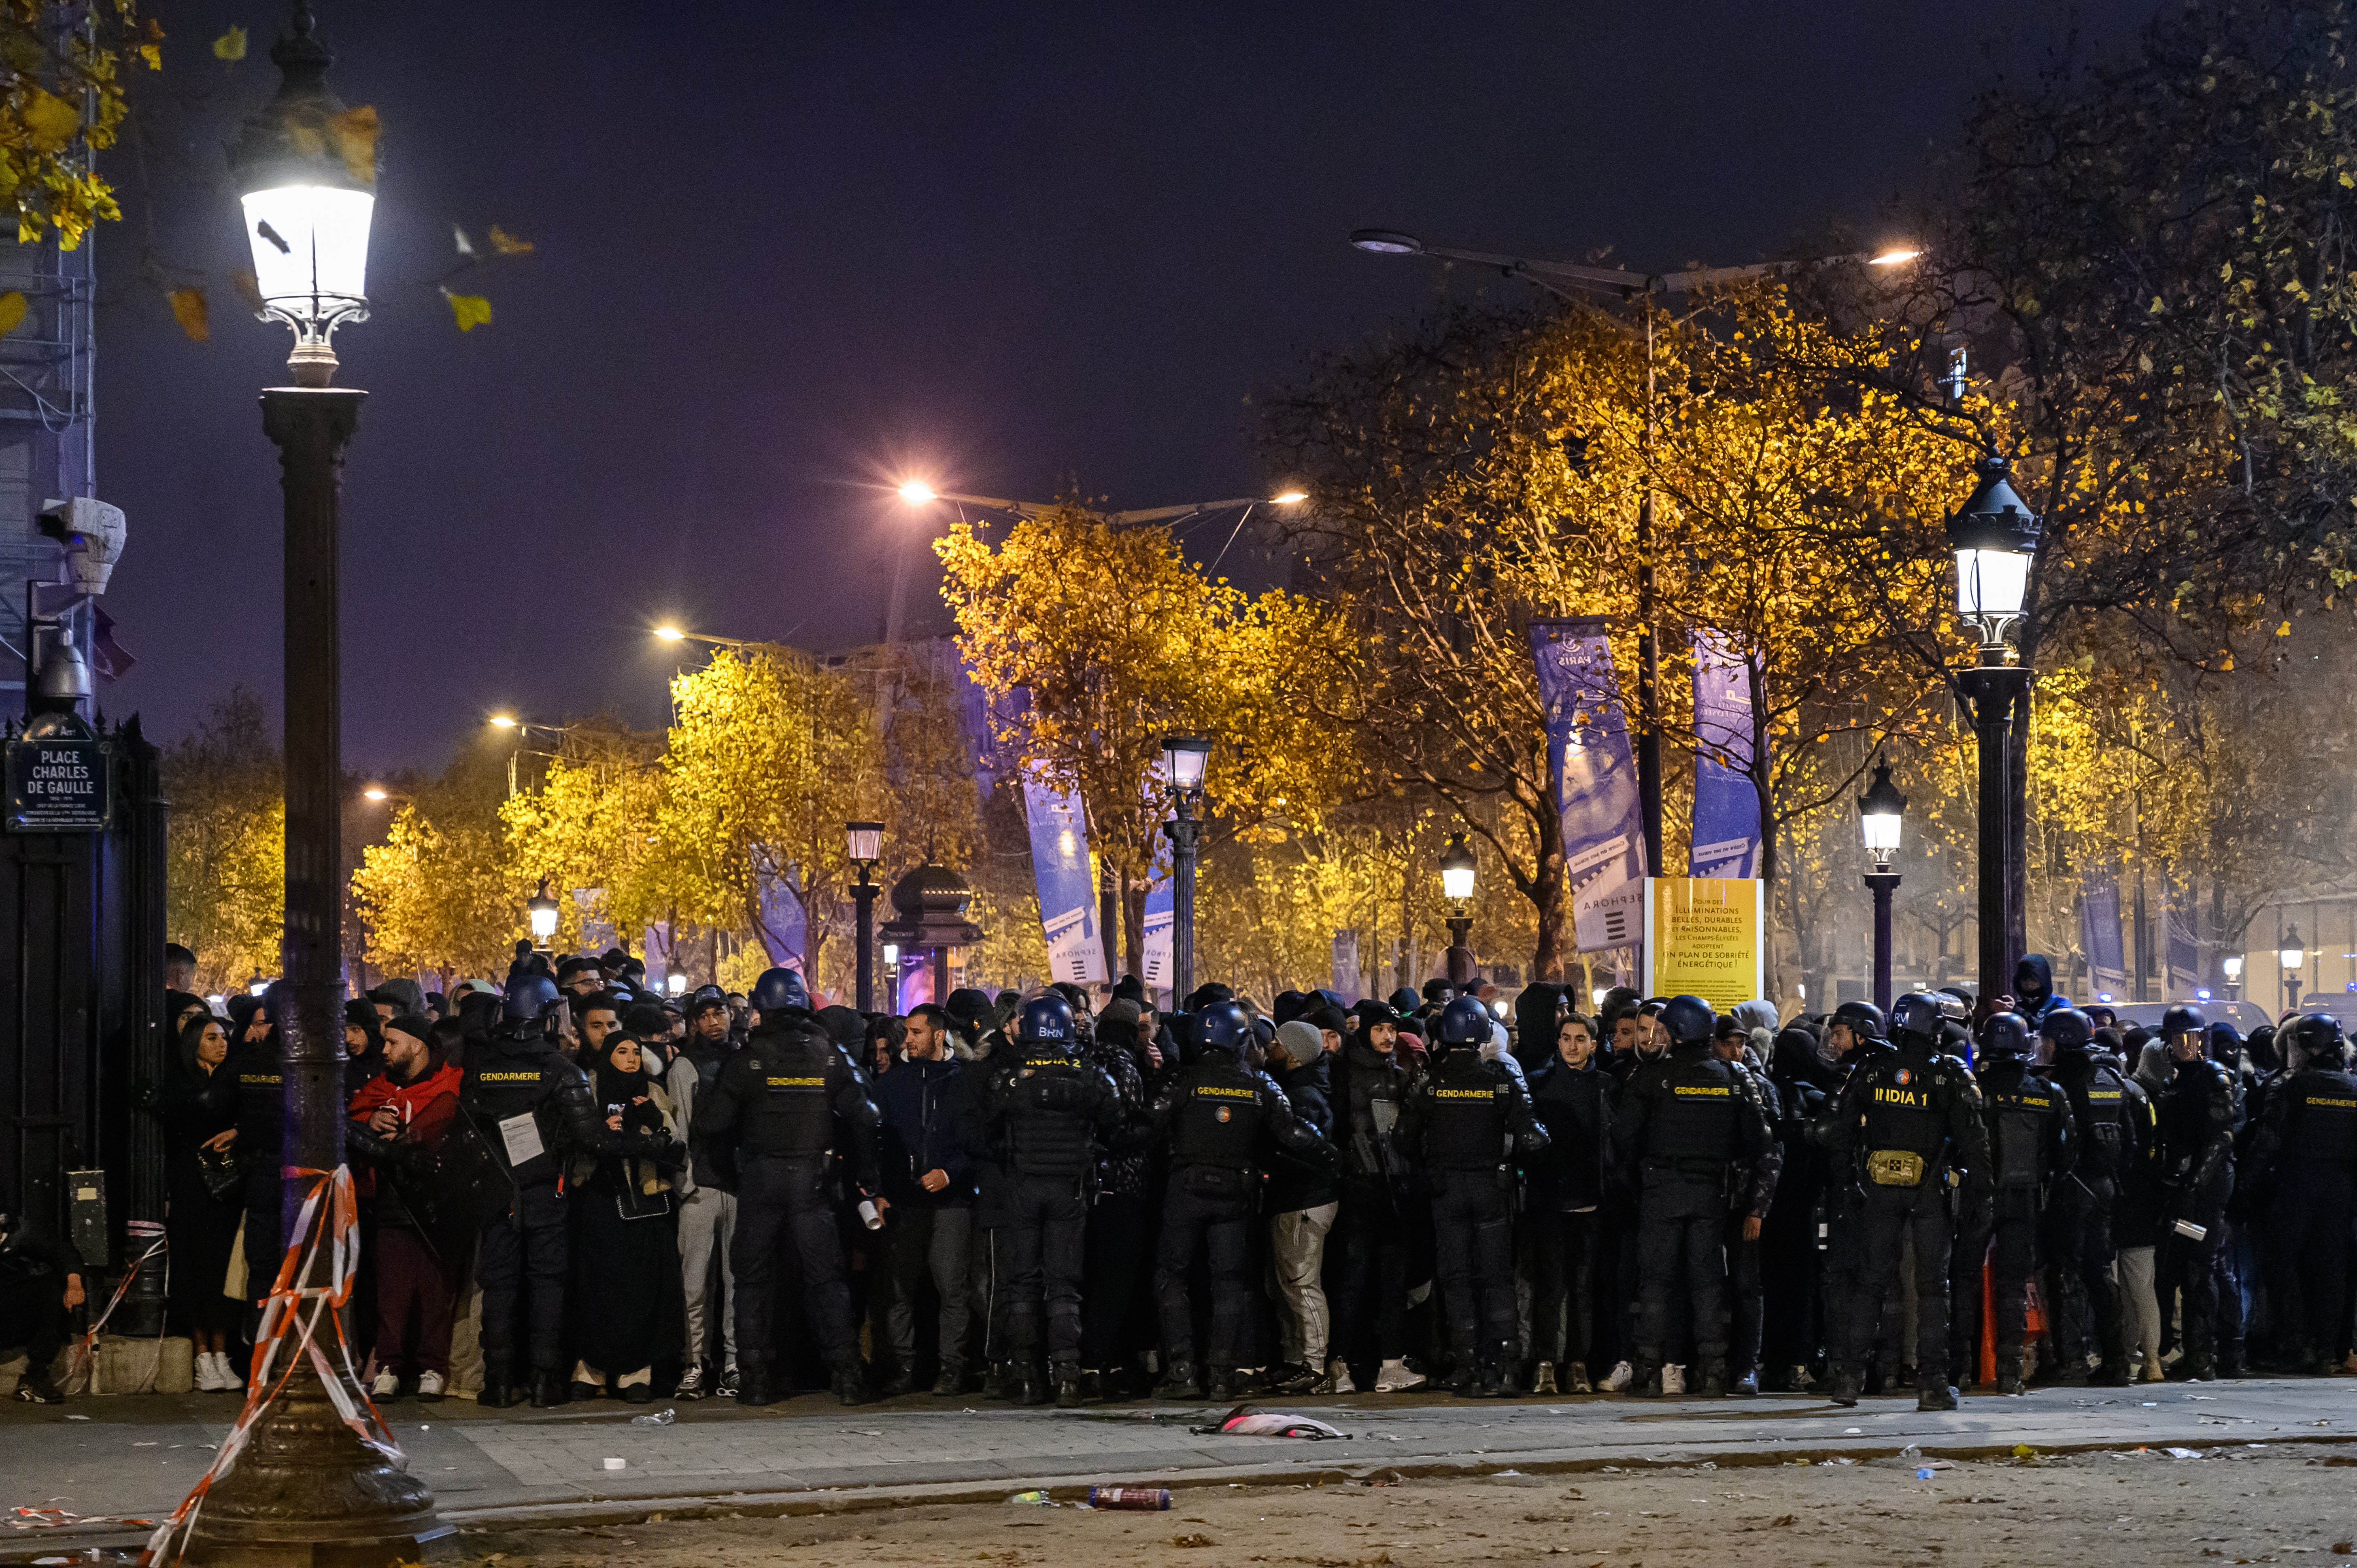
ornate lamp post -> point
(867, 849)
(1995, 537)
(307, 1489)
(2232, 964)
(2294, 958)
(1880, 813)
(542, 909)
(1183, 759)
(1459, 866)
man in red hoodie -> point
(407, 1111)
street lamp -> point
(257, 985)
(2294, 958)
(1881, 811)
(542, 910)
(2232, 964)
(1459, 866)
(1994, 538)
(866, 847)
(307, 1487)
(1183, 759)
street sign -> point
(59, 784)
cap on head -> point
(1689, 1019)
(2005, 1034)
(2065, 1028)
(1046, 1020)
(779, 989)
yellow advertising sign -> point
(1706, 937)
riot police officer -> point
(1909, 1120)
(1698, 1133)
(2030, 1134)
(2311, 1163)
(533, 1107)
(1467, 1124)
(785, 1107)
(1854, 1034)
(2195, 1117)
(1218, 1116)
(1048, 1115)
(2109, 1115)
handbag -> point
(223, 1171)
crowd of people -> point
(583, 1189)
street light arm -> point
(1619, 279)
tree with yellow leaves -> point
(225, 844)
(61, 99)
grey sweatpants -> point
(707, 1219)
(2139, 1305)
(1297, 1256)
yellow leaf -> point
(12, 311)
(506, 245)
(2284, 630)
(248, 286)
(353, 135)
(469, 310)
(231, 45)
(50, 121)
(152, 54)
(189, 310)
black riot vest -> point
(1050, 1128)
(2320, 1118)
(787, 1077)
(1217, 1121)
(2019, 1107)
(511, 1076)
(1466, 1124)
(2099, 1103)
(1904, 1105)
(1696, 1103)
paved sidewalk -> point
(136, 1457)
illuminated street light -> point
(373, 793)
(503, 721)
(670, 633)
(1458, 867)
(1881, 812)
(542, 910)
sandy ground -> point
(2279, 1504)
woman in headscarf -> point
(201, 1229)
(626, 1298)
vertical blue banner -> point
(784, 921)
(1161, 905)
(1726, 840)
(1068, 900)
(1594, 779)
(2099, 929)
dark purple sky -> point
(787, 253)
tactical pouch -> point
(1895, 1167)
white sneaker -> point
(207, 1380)
(432, 1385)
(1623, 1374)
(1340, 1372)
(1673, 1381)
(1542, 1381)
(387, 1384)
(1394, 1378)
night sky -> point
(788, 255)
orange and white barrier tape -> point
(80, 1364)
(329, 1217)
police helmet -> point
(2317, 1036)
(1223, 1027)
(1863, 1019)
(1917, 1014)
(1046, 1019)
(779, 989)
(1689, 1020)
(2005, 1034)
(2183, 1019)
(529, 994)
(1464, 1022)
(2066, 1028)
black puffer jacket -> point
(1126, 1169)
(1365, 1089)
(1575, 1106)
(1291, 1186)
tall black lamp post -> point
(866, 849)
(1459, 866)
(307, 1489)
(1183, 757)
(2293, 956)
(1995, 537)
(1880, 813)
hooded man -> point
(2033, 988)
(1367, 1083)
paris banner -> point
(1068, 899)
(1594, 779)
(1161, 904)
(1726, 802)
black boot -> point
(1067, 1385)
(1937, 1396)
(951, 1382)
(1222, 1386)
(903, 1381)
(1031, 1385)
(499, 1389)
(1178, 1381)
(1647, 1382)
(754, 1388)
(1492, 1384)
(1714, 1380)
(547, 1390)
(851, 1384)
(1841, 1385)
